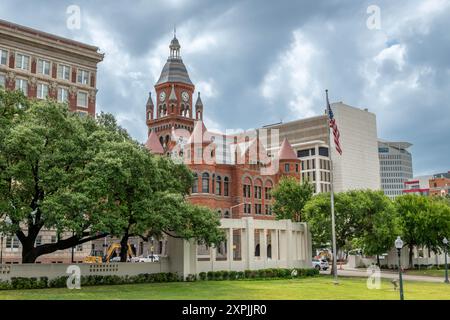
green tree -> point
(290, 197)
(348, 217)
(44, 184)
(422, 221)
(379, 224)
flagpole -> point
(333, 224)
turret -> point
(199, 108)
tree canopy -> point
(290, 197)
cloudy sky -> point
(258, 62)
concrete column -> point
(250, 245)
(275, 245)
(230, 247)
(212, 256)
(263, 245)
(289, 244)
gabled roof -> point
(153, 144)
(199, 133)
(286, 152)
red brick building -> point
(44, 65)
(233, 173)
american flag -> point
(333, 125)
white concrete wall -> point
(55, 270)
(290, 242)
(358, 167)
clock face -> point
(185, 96)
(162, 96)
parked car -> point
(117, 259)
(149, 258)
(320, 264)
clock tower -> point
(174, 107)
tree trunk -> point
(124, 248)
(411, 253)
(29, 253)
(378, 260)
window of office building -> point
(63, 72)
(82, 99)
(323, 151)
(42, 91)
(3, 57)
(12, 242)
(22, 85)
(2, 80)
(83, 76)
(63, 95)
(43, 67)
(303, 153)
(22, 61)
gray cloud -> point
(258, 62)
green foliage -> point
(290, 198)
(365, 220)
(423, 221)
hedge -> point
(94, 280)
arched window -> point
(205, 182)
(227, 214)
(195, 184)
(161, 140)
(167, 139)
(218, 185)
(257, 251)
(225, 186)
(182, 110)
(219, 213)
(247, 188)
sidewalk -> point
(348, 272)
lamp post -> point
(399, 246)
(445, 241)
(1, 248)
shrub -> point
(225, 275)
(261, 274)
(218, 275)
(191, 277)
(93, 280)
(233, 275)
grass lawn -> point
(427, 272)
(311, 288)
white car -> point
(320, 264)
(149, 258)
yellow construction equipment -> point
(109, 254)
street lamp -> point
(445, 241)
(399, 246)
